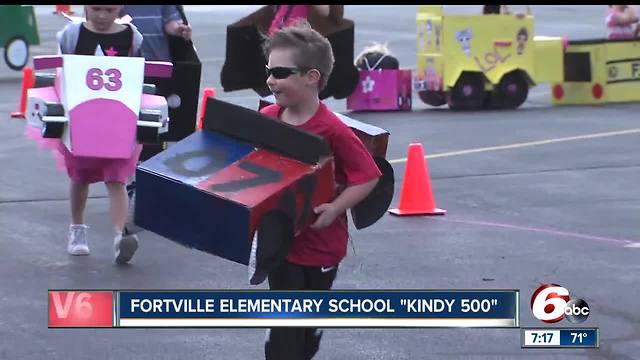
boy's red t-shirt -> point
(353, 165)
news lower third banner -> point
(267, 308)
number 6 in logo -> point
(548, 302)
(95, 81)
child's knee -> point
(115, 186)
(114, 183)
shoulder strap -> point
(68, 37)
(366, 61)
(136, 40)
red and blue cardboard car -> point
(244, 186)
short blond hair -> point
(311, 49)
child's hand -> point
(327, 214)
(185, 31)
(178, 29)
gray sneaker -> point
(130, 227)
(125, 246)
(78, 244)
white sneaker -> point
(78, 244)
(125, 246)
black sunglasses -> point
(283, 72)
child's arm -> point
(353, 160)
(631, 13)
(173, 24)
(350, 197)
(136, 45)
(626, 18)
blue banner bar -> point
(341, 308)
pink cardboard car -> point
(98, 106)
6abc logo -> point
(551, 303)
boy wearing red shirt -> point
(300, 62)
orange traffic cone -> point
(63, 9)
(208, 92)
(28, 81)
(416, 197)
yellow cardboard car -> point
(599, 71)
(481, 61)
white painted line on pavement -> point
(524, 144)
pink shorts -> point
(86, 170)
